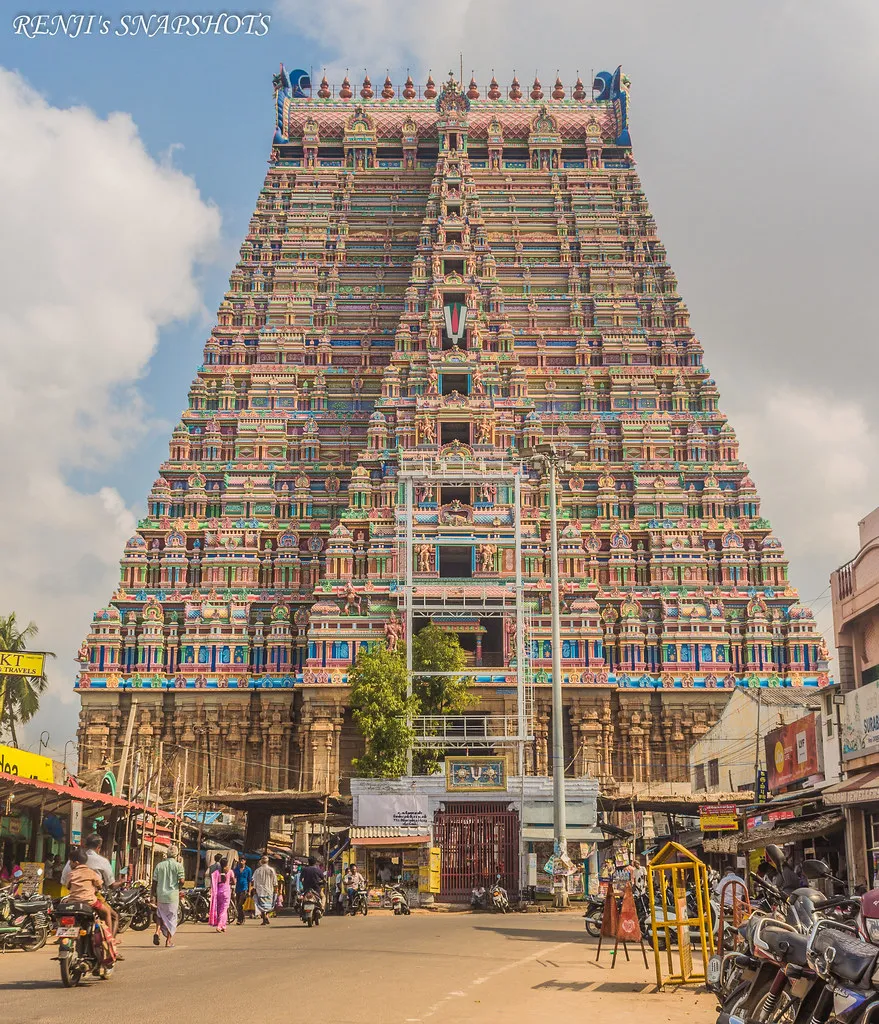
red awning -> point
(74, 792)
(862, 788)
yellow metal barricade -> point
(674, 919)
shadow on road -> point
(537, 934)
(24, 986)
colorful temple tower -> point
(435, 284)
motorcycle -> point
(359, 903)
(24, 920)
(312, 908)
(84, 947)
(492, 898)
(594, 915)
(399, 903)
(196, 903)
(133, 906)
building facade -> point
(445, 280)
(855, 592)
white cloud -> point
(815, 460)
(100, 249)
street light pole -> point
(560, 837)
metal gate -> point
(478, 841)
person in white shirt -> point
(265, 884)
(354, 882)
(731, 886)
(98, 863)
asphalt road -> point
(431, 967)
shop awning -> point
(36, 793)
(389, 836)
(862, 788)
(789, 830)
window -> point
(459, 382)
(699, 781)
(340, 649)
(454, 431)
(714, 772)
(455, 562)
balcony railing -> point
(845, 579)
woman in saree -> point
(221, 896)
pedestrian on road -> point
(222, 881)
(265, 882)
(167, 882)
(214, 867)
(243, 879)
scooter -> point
(399, 903)
(312, 908)
(84, 946)
(498, 896)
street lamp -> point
(549, 457)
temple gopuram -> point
(442, 281)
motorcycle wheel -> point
(40, 935)
(784, 1011)
(143, 918)
(364, 909)
(593, 923)
(182, 913)
(407, 911)
(397, 911)
(202, 913)
(735, 1004)
(124, 922)
(71, 972)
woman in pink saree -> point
(221, 896)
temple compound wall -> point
(445, 280)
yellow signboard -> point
(26, 765)
(21, 663)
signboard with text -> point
(20, 663)
(860, 731)
(399, 811)
(718, 818)
(793, 752)
(26, 765)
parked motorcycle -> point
(196, 903)
(24, 920)
(312, 908)
(133, 905)
(83, 946)
(399, 903)
(493, 897)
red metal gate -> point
(477, 842)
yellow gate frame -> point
(667, 876)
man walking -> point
(265, 883)
(167, 882)
(243, 879)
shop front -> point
(482, 823)
(387, 854)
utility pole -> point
(550, 458)
(126, 746)
(757, 749)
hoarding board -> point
(793, 752)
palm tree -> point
(22, 693)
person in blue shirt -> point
(243, 885)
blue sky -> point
(754, 131)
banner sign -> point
(793, 752)
(20, 663)
(28, 766)
(75, 822)
(860, 732)
(399, 811)
(718, 818)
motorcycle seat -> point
(846, 956)
(785, 944)
(128, 896)
(32, 906)
(69, 906)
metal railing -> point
(464, 730)
(845, 579)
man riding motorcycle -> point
(97, 862)
(313, 878)
(354, 882)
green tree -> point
(381, 707)
(22, 693)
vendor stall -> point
(388, 853)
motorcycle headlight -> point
(872, 924)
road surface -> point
(430, 968)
